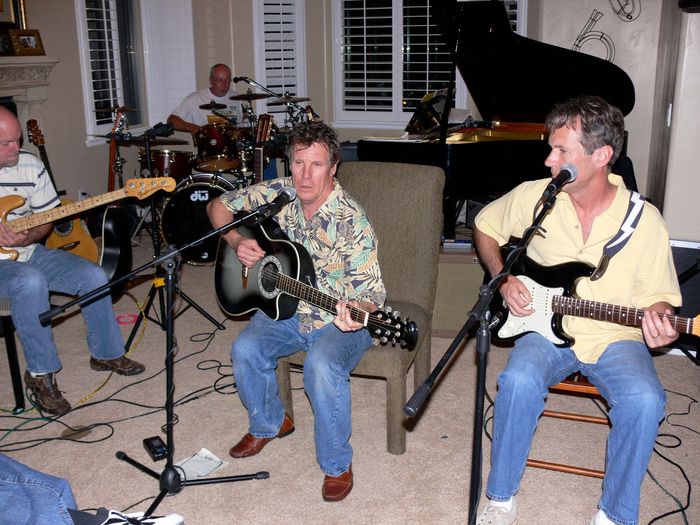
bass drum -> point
(185, 219)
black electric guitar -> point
(70, 235)
(283, 277)
(552, 291)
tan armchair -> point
(404, 203)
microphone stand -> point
(481, 313)
(157, 131)
(170, 479)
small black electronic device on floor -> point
(155, 447)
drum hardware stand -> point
(156, 286)
(479, 312)
(170, 479)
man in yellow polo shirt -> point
(590, 223)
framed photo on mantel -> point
(12, 14)
(25, 42)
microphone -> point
(285, 196)
(239, 79)
(159, 130)
(567, 174)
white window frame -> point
(159, 97)
(396, 118)
(260, 53)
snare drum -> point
(217, 148)
(185, 219)
(167, 163)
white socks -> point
(507, 505)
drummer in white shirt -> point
(189, 117)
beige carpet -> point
(428, 484)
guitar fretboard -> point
(54, 214)
(616, 314)
(321, 300)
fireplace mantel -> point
(26, 80)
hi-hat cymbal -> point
(288, 100)
(250, 96)
(213, 105)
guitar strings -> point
(322, 300)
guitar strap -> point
(629, 224)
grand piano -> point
(514, 82)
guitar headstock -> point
(144, 187)
(34, 133)
(119, 120)
(388, 327)
(263, 131)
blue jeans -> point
(28, 284)
(625, 377)
(28, 496)
(331, 355)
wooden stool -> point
(575, 384)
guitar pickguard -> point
(540, 321)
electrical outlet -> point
(82, 194)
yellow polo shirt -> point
(639, 275)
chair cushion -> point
(386, 360)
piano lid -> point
(513, 78)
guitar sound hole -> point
(63, 228)
(269, 277)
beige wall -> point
(223, 33)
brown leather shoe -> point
(46, 393)
(121, 365)
(250, 445)
(336, 488)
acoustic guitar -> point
(69, 235)
(283, 277)
(139, 188)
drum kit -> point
(226, 158)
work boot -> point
(47, 396)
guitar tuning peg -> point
(383, 340)
(377, 331)
(388, 309)
(397, 314)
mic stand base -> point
(170, 480)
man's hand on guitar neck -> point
(10, 239)
(656, 328)
(344, 320)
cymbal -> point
(288, 100)
(213, 105)
(250, 96)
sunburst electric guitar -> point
(70, 235)
(552, 290)
(283, 277)
(139, 188)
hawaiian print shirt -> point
(339, 238)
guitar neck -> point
(54, 214)
(45, 159)
(258, 167)
(313, 296)
(616, 314)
